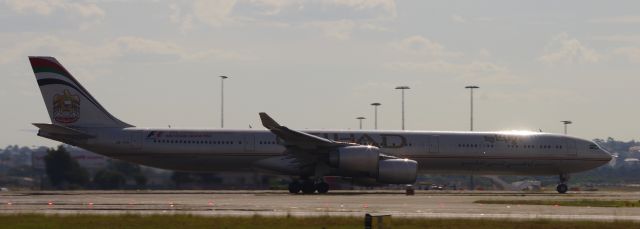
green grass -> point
(576, 203)
(190, 221)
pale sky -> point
(319, 64)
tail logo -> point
(66, 107)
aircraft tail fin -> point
(68, 103)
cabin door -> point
(249, 142)
(433, 144)
(135, 139)
(571, 147)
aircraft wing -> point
(297, 138)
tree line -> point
(64, 172)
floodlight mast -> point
(566, 122)
(471, 98)
(360, 120)
(375, 114)
(222, 78)
(403, 88)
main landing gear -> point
(308, 186)
(562, 187)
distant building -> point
(632, 161)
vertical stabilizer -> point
(68, 103)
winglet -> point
(268, 122)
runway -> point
(429, 204)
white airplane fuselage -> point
(499, 153)
(383, 157)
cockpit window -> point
(593, 146)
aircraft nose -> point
(604, 155)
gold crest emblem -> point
(66, 107)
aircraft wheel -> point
(322, 187)
(562, 188)
(308, 187)
(295, 187)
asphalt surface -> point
(430, 204)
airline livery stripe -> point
(44, 69)
(44, 82)
(44, 65)
(504, 158)
(410, 157)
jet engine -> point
(397, 171)
(367, 161)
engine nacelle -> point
(363, 162)
(356, 159)
(397, 171)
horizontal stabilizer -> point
(61, 130)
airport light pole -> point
(360, 119)
(471, 98)
(222, 78)
(567, 122)
(471, 87)
(375, 113)
(402, 88)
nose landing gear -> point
(562, 187)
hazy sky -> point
(319, 64)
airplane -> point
(366, 157)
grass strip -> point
(574, 203)
(191, 221)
